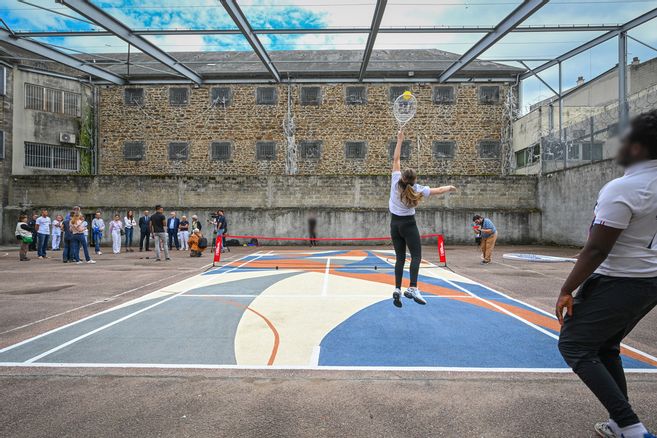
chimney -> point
(580, 80)
(636, 61)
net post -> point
(442, 257)
(217, 251)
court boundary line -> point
(86, 318)
(290, 296)
(522, 370)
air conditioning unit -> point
(65, 137)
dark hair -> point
(644, 132)
(476, 217)
(158, 206)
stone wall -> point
(280, 205)
(567, 198)
(243, 123)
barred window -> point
(47, 156)
(573, 150)
(489, 95)
(52, 100)
(266, 96)
(3, 80)
(489, 149)
(443, 149)
(592, 151)
(443, 95)
(133, 96)
(311, 95)
(178, 96)
(310, 149)
(356, 95)
(221, 96)
(178, 151)
(220, 150)
(397, 90)
(405, 149)
(355, 150)
(266, 150)
(133, 150)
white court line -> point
(292, 296)
(110, 324)
(300, 368)
(104, 300)
(326, 277)
(34, 338)
(314, 357)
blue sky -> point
(358, 13)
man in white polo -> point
(617, 271)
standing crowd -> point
(70, 234)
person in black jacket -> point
(144, 231)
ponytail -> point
(409, 197)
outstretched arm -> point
(441, 190)
(396, 156)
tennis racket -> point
(404, 108)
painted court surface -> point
(304, 308)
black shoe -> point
(168, 258)
(396, 298)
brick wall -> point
(243, 123)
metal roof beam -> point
(111, 24)
(57, 56)
(371, 39)
(242, 23)
(334, 30)
(520, 14)
(594, 42)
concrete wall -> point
(41, 126)
(6, 122)
(243, 123)
(567, 198)
(279, 206)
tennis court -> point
(302, 308)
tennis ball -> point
(406, 95)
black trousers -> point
(173, 239)
(144, 237)
(313, 236)
(404, 234)
(605, 310)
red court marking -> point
(277, 338)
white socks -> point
(637, 430)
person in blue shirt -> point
(488, 237)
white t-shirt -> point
(629, 203)
(395, 205)
(44, 225)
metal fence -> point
(46, 156)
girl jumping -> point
(405, 195)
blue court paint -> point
(448, 333)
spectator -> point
(196, 224)
(476, 229)
(32, 224)
(157, 224)
(222, 229)
(24, 236)
(115, 229)
(57, 232)
(172, 228)
(42, 225)
(183, 227)
(144, 231)
(196, 244)
(76, 210)
(488, 237)
(312, 230)
(129, 225)
(67, 255)
(97, 229)
(79, 229)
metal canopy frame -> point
(107, 22)
(112, 27)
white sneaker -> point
(79, 263)
(91, 261)
(396, 298)
(99, 253)
(414, 294)
(604, 430)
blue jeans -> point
(78, 241)
(128, 237)
(66, 253)
(173, 239)
(97, 236)
(42, 244)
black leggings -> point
(404, 233)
